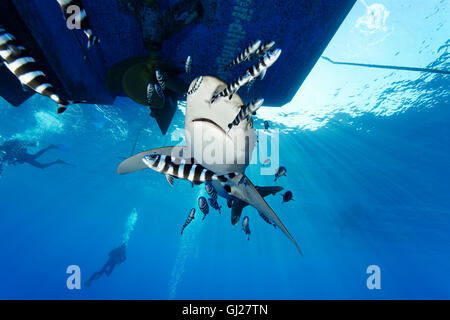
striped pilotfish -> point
(188, 65)
(263, 49)
(246, 112)
(160, 79)
(210, 190)
(203, 206)
(196, 85)
(245, 55)
(26, 70)
(80, 18)
(246, 227)
(159, 92)
(150, 91)
(233, 87)
(182, 169)
(189, 219)
(259, 69)
(214, 204)
(281, 171)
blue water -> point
(367, 153)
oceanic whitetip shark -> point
(206, 124)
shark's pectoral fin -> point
(236, 211)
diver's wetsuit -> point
(15, 152)
(116, 257)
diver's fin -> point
(169, 179)
(236, 211)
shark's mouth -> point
(210, 122)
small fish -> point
(81, 18)
(246, 112)
(287, 197)
(263, 49)
(188, 65)
(160, 79)
(246, 226)
(210, 190)
(244, 55)
(190, 217)
(266, 125)
(183, 169)
(203, 206)
(281, 171)
(159, 92)
(251, 83)
(258, 70)
(214, 204)
(232, 87)
(26, 70)
(196, 85)
(150, 91)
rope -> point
(388, 67)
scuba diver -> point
(13, 152)
(116, 257)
